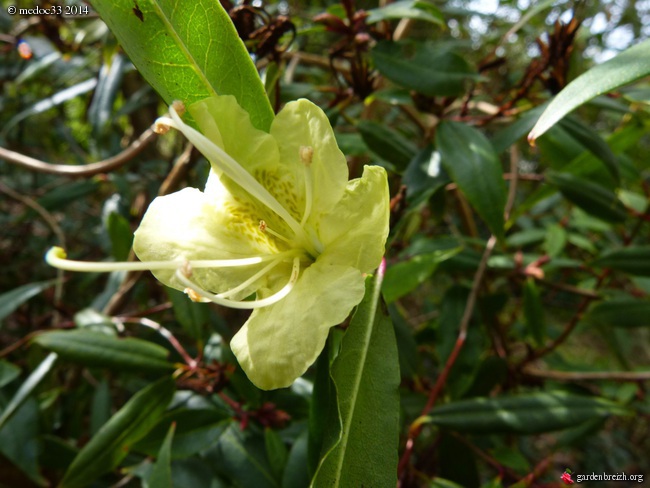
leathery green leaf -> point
(627, 312)
(98, 349)
(106, 450)
(366, 377)
(630, 65)
(13, 299)
(26, 389)
(522, 414)
(634, 260)
(161, 475)
(189, 53)
(591, 197)
(474, 166)
(534, 312)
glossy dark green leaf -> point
(8, 372)
(634, 260)
(111, 444)
(20, 444)
(555, 240)
(48, 103)
(27, 388)
(120, 234)
(101, 407)
(366, 376)
(406, 9)
(240, 457)
(192, 316)
(629, 66)
(621, 312)
(522, 414)
(296, 474)
(92, 348)
(67, 193)
(276, 452)
(590, 139)
(424, 175)
(470, 160)
(387, 144)
(426, 67)
(403, 277)
(100, 110)
(188, 54)
(590, 197)
(13, 299)
(161, 474)
(196, 429)
(534, 312)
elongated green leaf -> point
(590, 197)
(472, 163)
(634, 260)
(27, 388)
(431, 69)
(630, 65)
(188, 52)
(366, 376)
(48, 103)
(13, 299)
(276, 452)
(8, 372)
(403, 277)
(534, 312)
(387, 144)
(406, 9)
(241, 457)
(97, 349)
(522, 414)
(590, 139)
(620, 313)
(112, 443)
(161, 475)
(196, 429)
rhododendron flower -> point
(279, 229)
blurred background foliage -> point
(551, 301)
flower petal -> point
(278, 343)
(302, 123)
(228, 125)
(190, 225)
(354, 233)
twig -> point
(460, 341)
(104, 166)
(416, 428)
(163, 332)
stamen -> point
(244, 305)
(266, 228)
(250, 280)
(56, 257)
(234, 171)
(308, 194)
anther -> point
(194, 296)
(306, 154)
(160, 127)
(186, 269)
(265, 228)
(179, 107)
